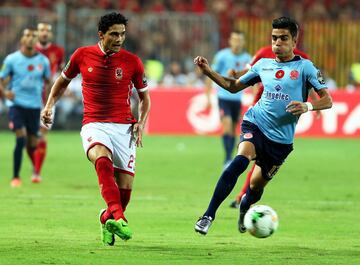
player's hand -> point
(202, 63)
(138, 129)
(46, 116)
(9, 95)
(296, 107)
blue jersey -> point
(27, 78)
(225, 60)
(283, 82)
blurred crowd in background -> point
(167, 34)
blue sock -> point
(226, 183)
(251, 197)
(18, 151)
(227, 146)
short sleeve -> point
(72, 69)
(314, 76)
(252, 76)
(6, 68)
(139, 79)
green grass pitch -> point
(316, 195)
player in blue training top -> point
(268, 127)
(28, 70)
(227, 62)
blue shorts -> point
(25, 118)
(230, 108)
(269, 154)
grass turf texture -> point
(316, 195)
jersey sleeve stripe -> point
(143, 89)
(65, 77)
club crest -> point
(118, 73)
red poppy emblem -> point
(279, 74)
(294, 75)
(30, 67)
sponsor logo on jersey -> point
(40, 67)
(277, 95)
(320, 78)
(279, 74)
(278, 88)
(118, 73)
(294, 74)
(90, 69)
(89, 139)
(267, 69)
(248, 135)
(30, 67)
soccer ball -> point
(261, 221)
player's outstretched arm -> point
(144, 106)
(230, 84)
(56, 91)
(324, 102)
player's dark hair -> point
(110, 19)
(239, 32)
(286, 23)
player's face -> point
(44, 31)
(283, 44)
(113, 39)
(236, 42)
(29, 38)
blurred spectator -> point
(174, 75)
(354, 76)
(330, 82)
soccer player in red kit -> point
(109, 133)
(55, 54)
(264, 52)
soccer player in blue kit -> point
(227, 62)
(268, 128)
(28, 71)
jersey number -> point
(131, 161)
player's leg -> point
(228, 138)
(31, 143)
(20, 139)
(17, 124)
(236, 202)
(226, 184)
(125, 182)
(40, 153)
(253, 194)
(124, 156)
(101, 157)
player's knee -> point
(20, 142)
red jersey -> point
(107, 81)
(266, 52)
(55, 54)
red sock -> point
(106, 216)
(246, 184)
(109, 189)
(39, 155)
(125, 197)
